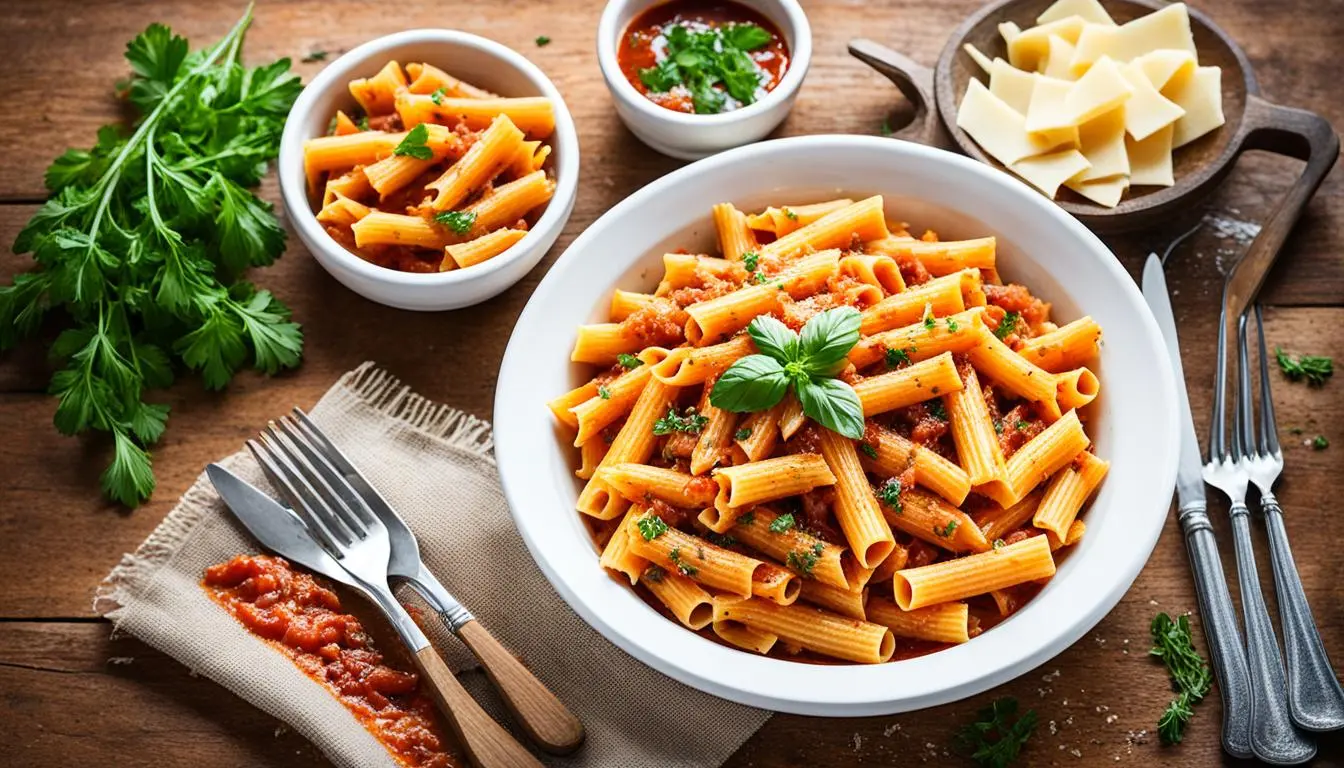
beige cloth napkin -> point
(434, 465)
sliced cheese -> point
(1102, 142)
(1009, 31)
(1011, 84)
(1162, 65)
(1200, 94)
(1150, 159)
(1048, 110)
(979, 58)
(1047, 172)
(1058, 138)
(1089, 10)
(1099, 91)
(1168, 28)
(1147, 110)
(1095, 41)
(1106, 192)
(1029, 49)
(1058, 59)
(996, 127)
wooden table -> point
(69, 694)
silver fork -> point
(350, 532)
(1274, 738)
(1315, 699)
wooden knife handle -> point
(548, 723)
(485, 742)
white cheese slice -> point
(1201, 96)
(1089, 10)
(1147, 110)
(1150, 159)
(1099, 91)
(1102, 142)
(1048, 110)
(979, 58)
(996, 127)
(1058, 138)
(1095, 41)
(1010, 32)
(1105, 192)
(1029, 49)
(1011, 84)
(1168, 28)
(1058, 59)
(1161, 66)
(1047, 172)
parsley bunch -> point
(995, 739)
(1173, 643)
(142, 242)
(701, 59)
(808, 362)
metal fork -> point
(1274, 738)
(1315, 699)
(352, 534)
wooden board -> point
(58, 537)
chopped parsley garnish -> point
(804, 562)
(742, 434)
(719, 540)
(751, 260)
(890, 494)
(1022, 425)
(654, 573)
(951, 325)
(1320, 442)
(885, 127)
(700, 61)
(628, 360)
(363, 122)
(747, 519)
(946, 531)
(792, 216)
(995, 740)
(782, 523)
(1314, 368)
(937, 411)
(998, 427)
(414, 145)
(543, 41)
(603, 392)
(867, 449)
(437, 96)
(651, 526)
(460, 222)
(315, 56)
(929, 322)
(686, 569)
(1006, 325)
(897, 357)
(1173, 643)
(691, 423)
(999, 544)
(760, 278)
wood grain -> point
(58, 537)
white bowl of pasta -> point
(905, 481)
(429, 169)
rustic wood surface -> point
(69, 694)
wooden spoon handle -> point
(485, 742)
(915, 82)
(548, 723)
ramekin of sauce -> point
(693, 77)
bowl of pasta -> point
(849, 441)
(429, 169)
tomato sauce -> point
(302, 617)
(644, 46)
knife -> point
(1215, 603)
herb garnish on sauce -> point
(700, 60)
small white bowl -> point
(1133, 423)
(480, 62)
(691, 137)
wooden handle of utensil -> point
(485, 742)
(915, 82)
(548, 723)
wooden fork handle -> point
(485, 742)
(548, 723)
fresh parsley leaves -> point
(603, 392)
(996, 738)
(1173, 643)
(868, 449)
(543, 41)
(805, 561)
(807, 362)
(460, 222)
(1314, 368)
(751, 260)
(684, 567)
(897, 357)
(144, 238)
(742, 434)
(651, 526)
(930, 322)
(1320, 442)
(937, 410)
(946, 531)
(1007, 325)
(414, 145)
(782, 523)
(747, 519)
(890, 494)
(999, 544)
(712, 64)
(692, 422)
(437, 96)
(788, 213)
(627, 360)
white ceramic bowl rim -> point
(799, 60)
(1067, 608)
(347, 66)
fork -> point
(1274, 738)
(1315, 699)
(348, 530)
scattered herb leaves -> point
(996, 738)
(651, 526)
(890, 494)
(1173, 643)
(691, 423)
(711, 64)
(1007, 325)
(629, 361)
(414, 145)
(782, 523)
(1314, 368)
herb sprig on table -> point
(1173, 643)
(701, 59)
(1314, 368)
(996, 738)
(143, 240)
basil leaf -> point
(832, 404)
(754, 383)
(774, 338)
(827, 339)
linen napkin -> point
(434, 465)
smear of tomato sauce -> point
(302, 617)
(643, 45)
